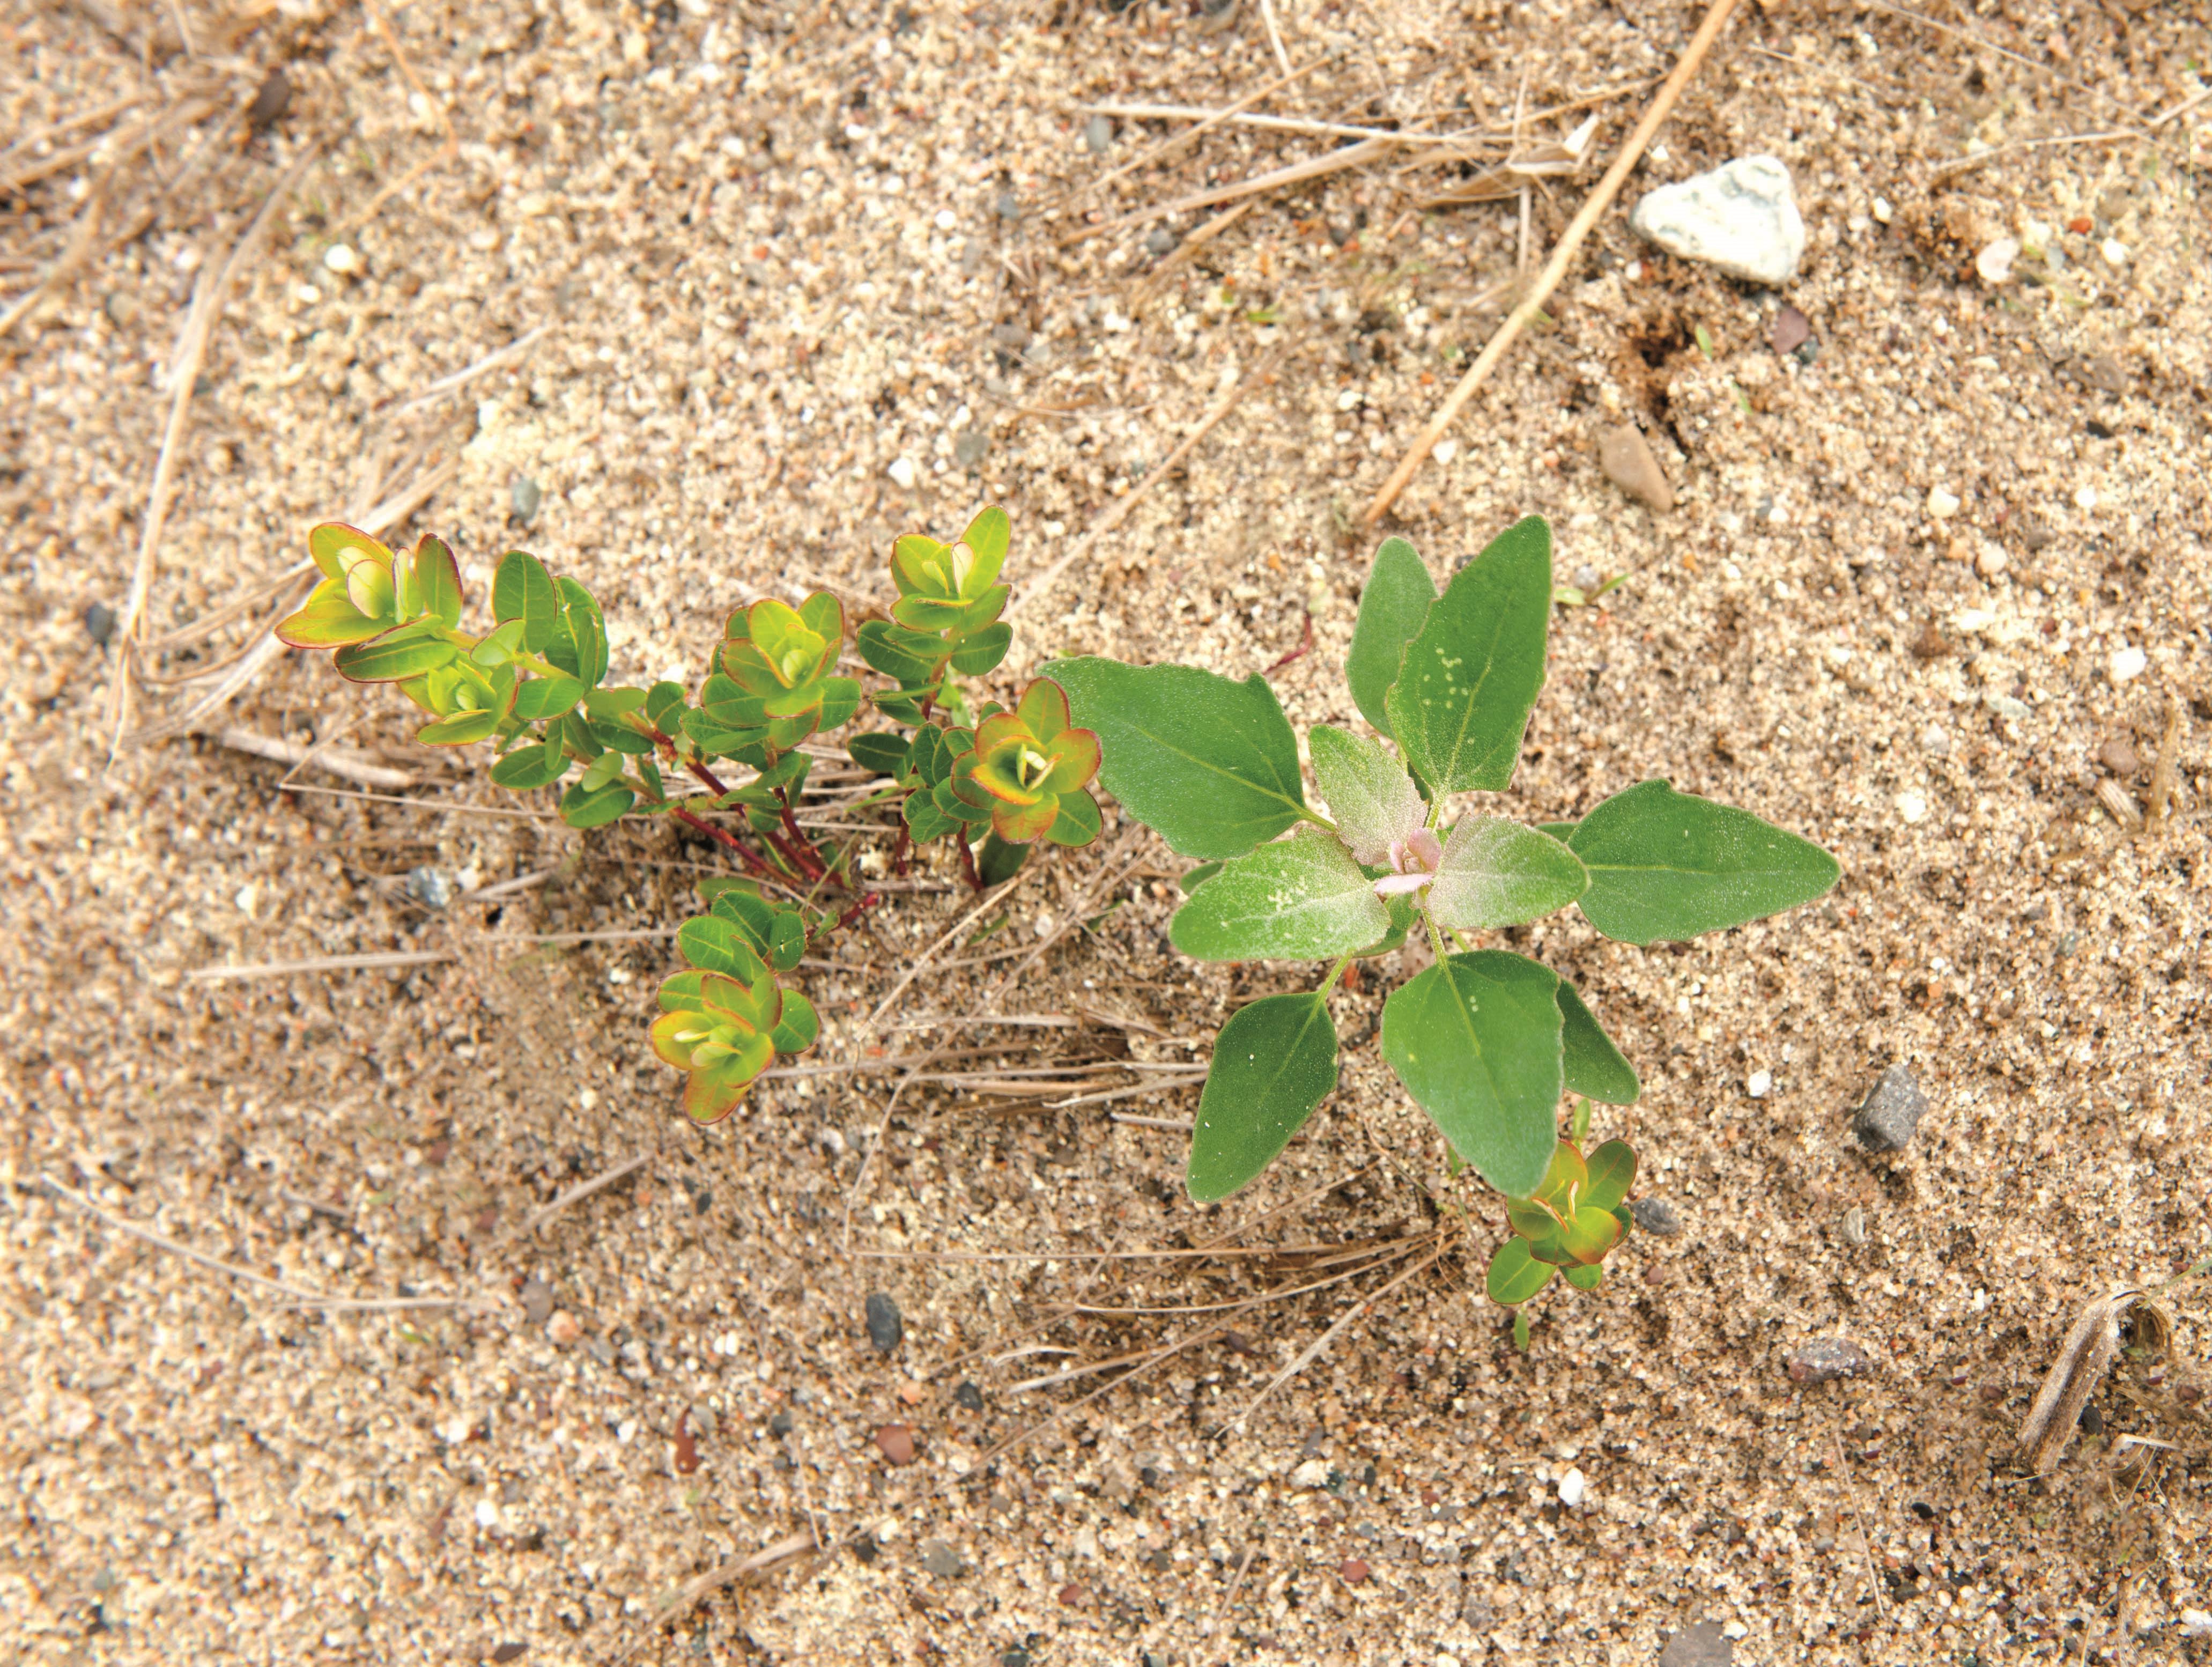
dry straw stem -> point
(576, 1194)
(339, 761)
(65, 267)
(2161, 774)
(1563, 256)
(1208, 120)
(1351, 156)
(193, 354)
(667, 1610)
(2083, 1360)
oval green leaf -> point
(522, 589)
(1612, 1172)
(1475, 1039)
(328, 619)
(796, 1026)
(1462, 700)
(1299, 898)
(1209, 764)
(1391, 607)
(1516, 1275)
(579, 646)
(1497, 872)
(1592, 1066)
(1586, 1278)
(1274, 1063)
(393, 658)
(527, 767)
(714, 944)
(460, 729)
(879, 751)
(1669, 865)
(1077, 822)
(597, 806)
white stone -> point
(1942, 505)
(1994, 263)
(1990, 563)
(2196, 1623)
(2128, 664)
(1912, 806)
(1882, 209)
(947, 219)
(1444, 450)
(1759, 1085)
(1311, 1474)
(2086, 498)
(1740, 218)
(339, 258)
(2115, 253)
(1574, 1487)
(902, 470)
(487, 1514)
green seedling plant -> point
(1485, 1041)
(533, 688)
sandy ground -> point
(767, 254)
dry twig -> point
(337, 760)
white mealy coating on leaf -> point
(1372, 798)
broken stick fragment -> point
(2083, 1360)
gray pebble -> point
(1098, 134)
(122, 310)
(1010, 336)
(1160, 240)
(885, 1328)
(972, 254)
(1656, 1216)
(100, 623)
(524, 497)
(433, 888)
(1010, 206)
(779, 1423)
(970, 448)
(941, 1559)
(1588, 578)
(1824, 1360)
(1702, 1645)
(968, 1396)
(1891, 1112)
(536, 1300)
(699, 1418)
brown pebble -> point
(1791, 330)
(2118, 755)
(1353, 1571)
(1625, 457)
(562, 1327)
(1929, 644)
(687, 1448)
(1824, 1360)
(1071, 1595)
(898, 1443)
(911, 1394)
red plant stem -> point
(723, 836)
(858, 910)
(968, 861)
(811, 857)
(899, 850)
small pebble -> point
(100, 623)
(1444, 450)
(1740, 218)
(1942, 505)
(1588, 578)
(536, 1300)
(433, 888)
(122, 310)
(969, 1397)
(970, 447)
(2085, 499)
(1791, 330)
(562, 1327)
(1759, 1084)
(2127, 664)
(1098, 134)
(2119, 756)
(1911, 806)
(1626, 456)
(780, 1421)
(1354, 1571)
(1160, 242)
(1936, 740)
(940, 1559)
(1574, 1487)
(885, 1327)
(1994, 262)
(2115, 252)
(896, 1442)
(1992, 562)
(1009, 206)
(1891, 1112)
(339, 258)
(271, 103)
(901, 472)
(1824, 1360)
(1656, 1216)
(947, 219)
(524, 497)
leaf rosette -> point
(1030, 768)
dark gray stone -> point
(100, 623)
(1656, 1216)
(969, 1397)
(524, 497)
(1160, 240)
(885, 1328)
(941, 1559)
(536, 1300)
(779, 1423)
(1891, 1112)
(970, 448)
(1824, 1360)
(1702, 1645)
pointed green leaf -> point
(337, 548)
(1299, 898)
(522, 589)
(1612, 1172)
(1497, 872)
(988, 536)
(579, 646)
(1475, 1039)
(881, 752)
(460, 729)
(1391, 609)
(1669, 865)
(1591, 1065)
(1209, 764)
(1274, 1061)
(1374, 800)
(1462, 700)
(438, 582)
(1516, 1275)
(546, 697)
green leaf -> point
(613, 702)
(438, 582)
(393, 658)
(1391, 609)
(1670, 865)
(1591, 1231)
(460, 729)
(997, 862)
(1077, 823)
(1612, 1172)
(522, 589)
(579, 646)
(528, 767)
(1590, 1064)
(982, 651)
(1194, 877)
(615, 736)
(1462, 700)
(1497, 872)
(597, 806)
(880, 750)
(924, 820)
(546, 697)
(841, 698)
(1516, 1275)
(1374, 800)
(1274, 1061)
(1209, 764)
(714, 944)
(1585, 1279)
(911, 657)
(1299, 898)
(1475, 1039)
(328, 619)
(797, 1026)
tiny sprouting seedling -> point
(533, 687)
(1484, 1040)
